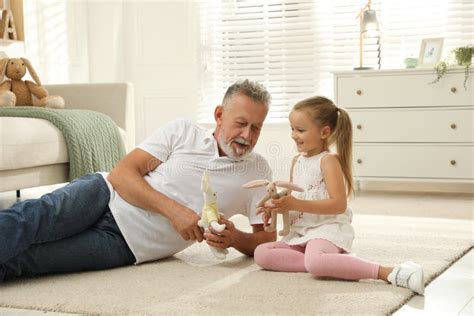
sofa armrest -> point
(114, 99)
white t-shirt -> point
(186, 151)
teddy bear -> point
(17, 92)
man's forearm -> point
(247, 242)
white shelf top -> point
(429, 70)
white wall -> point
(56, 40)
(276, 145)
(105, 41)
(152, 44)
(55, 34)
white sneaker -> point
(409, 275)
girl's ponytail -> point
(342, 136)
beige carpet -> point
(194, 283)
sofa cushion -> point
(30, 142)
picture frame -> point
(430, 51)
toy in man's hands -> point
(210, 214)
(17, 92)
(272, 193)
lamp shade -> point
(370, 26)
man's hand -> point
(224, 239)
(241, 241)
(185, 223)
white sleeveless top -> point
(306, 226)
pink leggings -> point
(319, 257)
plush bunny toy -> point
(272, 193)
(21, 93)
(210, 214)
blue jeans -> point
(70, 229)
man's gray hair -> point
(252, 89)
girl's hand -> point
(266, 215)
(261, 210)
(282, 204)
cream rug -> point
(194, 283)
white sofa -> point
(33, 151)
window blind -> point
(272, 42)
(292, 47)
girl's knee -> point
(261, 256)
(315, 266)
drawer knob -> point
(359, 92)
(359, 126)
(453, 162)
(453, 126)
(359, 161)
(453, 89)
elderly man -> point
(148, 207)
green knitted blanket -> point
(92, 138)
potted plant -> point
(462, 56)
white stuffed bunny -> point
(272, 193)
(210, 214)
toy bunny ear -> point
(205, 181)
(255, 183)
(3, 68)
(289, 185)
(31, 70)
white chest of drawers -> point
(408, 129)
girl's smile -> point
(309, 138)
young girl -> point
(321, 233)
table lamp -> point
(369, 27)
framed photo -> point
(430, 51)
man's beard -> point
(234, 153)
